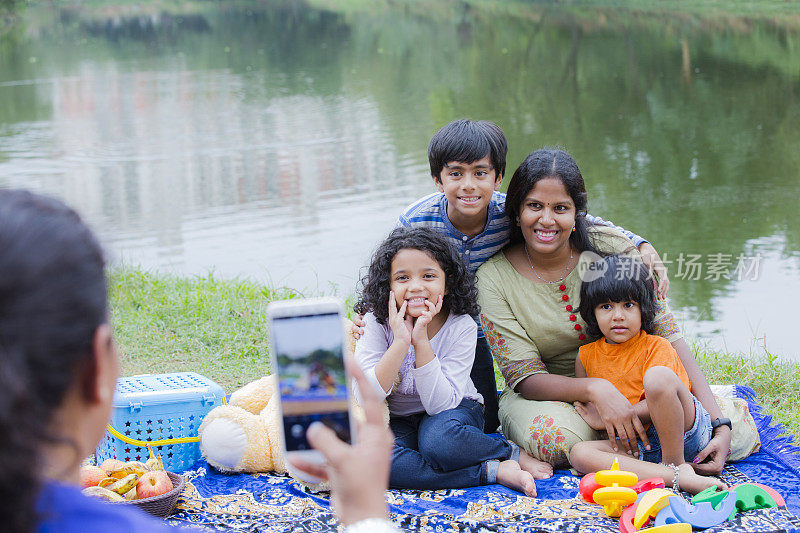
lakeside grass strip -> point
(218, 328)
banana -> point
(107, 481)
(124, 485)
(119, 473)
(100, 492)
(136, 467)
(132, 467)
(155, 462)
(131, 494)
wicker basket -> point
(162, 504)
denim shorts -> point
(694, 440)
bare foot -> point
(692, 482)
(509, 474)
(538, 469)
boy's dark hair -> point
(622, 278)
(466, 140)
(462, 294)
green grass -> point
(212, 326)
(217, 327)
(777, 383)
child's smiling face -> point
(416, 277)
(619, 321)
(468, 188)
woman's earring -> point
(517, 221)
(573, 228)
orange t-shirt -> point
(624, 364)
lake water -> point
(281, 143)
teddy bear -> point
(244, 436)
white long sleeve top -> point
(437, 386)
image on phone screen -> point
(312, 381)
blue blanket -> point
(267, 503)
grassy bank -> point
(217, 327)
(207, 325)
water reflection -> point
(281, 143)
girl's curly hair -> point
(462, 294)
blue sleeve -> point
(636, 239)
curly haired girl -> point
(417, 350)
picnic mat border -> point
(272, 503)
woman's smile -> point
(546, 235)
(547, 216)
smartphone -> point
(307, 347)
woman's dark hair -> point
(462, 294)
(621, 278)
(550, 163)
(466, 141)
(52, 299)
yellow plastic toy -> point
(649, 506)
(671, 528)
(616, 492)
(616, 477)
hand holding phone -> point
(307, 347)
(359, 474)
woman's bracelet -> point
(675, 485)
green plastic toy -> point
(749, 497)
(711, 495)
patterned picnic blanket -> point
(270, 503)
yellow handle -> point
(145, 443)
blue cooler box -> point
(163, 409)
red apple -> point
(153, 484)
(109, 465)
(91, 475)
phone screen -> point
(311, 376)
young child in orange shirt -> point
(619, 306)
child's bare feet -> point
(692, 482)
(509, 474)
(538, 469)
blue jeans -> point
(694, 440)
(446, 451)
(482, 376)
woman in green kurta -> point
(529, 293)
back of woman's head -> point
(617, 278)
(52, 299)
(462, 295)
(549, 163)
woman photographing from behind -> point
(58, 371)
